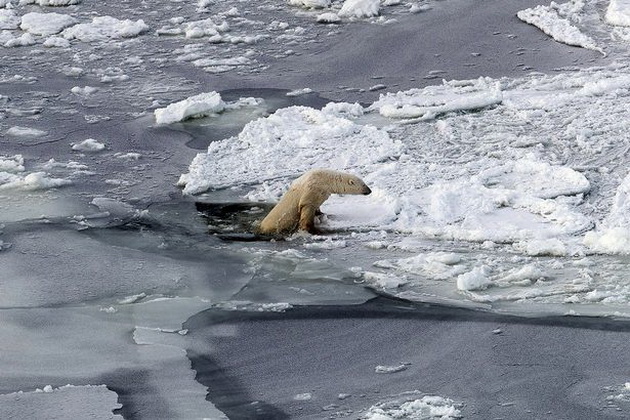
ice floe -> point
(289, 142)
(13, 176)
(88, 145)
(51, 3)
(613, 236)
(103, 28)
(85, 401)
(360, 8)
(196, 106)
(556, 21)
(618, 12)
(430, 102)
(46, 23)
(413, 406)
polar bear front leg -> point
(307, 218)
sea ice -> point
(18, 131)
(411, 406)
(205, 28)
(613, 236)
(103, 28)
(46, 24)
(32, 182)
(618, 12)
(88, 145)
(8, 19)
(197, 106)
(284, 145)
(310, 4)
(360, 8)
(51, 2)
(24, 40)
(329, 17)
(554, 21)
(69, 402)
(430, 102)
(476, 279)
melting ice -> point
(507, 194)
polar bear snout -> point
(367, 190)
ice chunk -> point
(431, 101)
(412, 406)
(477, 279)
(33, 181)
(614, 234)
(23, 40)
(104, 28)
(8, 19)
(310, 4)
(618, 12)
(18, 131)
(68, 402)
(539, 179)
(51, 2)
(554, 21)
(207, 27)
(329, 17)
(200, 105)
(88, 145)
(46, 23)
(360, 8)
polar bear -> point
(298, 207)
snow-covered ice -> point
(88, 145)
(408, 406)
(46, 23)
(556, 21)
(68, 401)
(494, 193)
(197, 106)
(360, 8)
(103, 28)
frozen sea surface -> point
(134, 136)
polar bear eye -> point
(351, 182)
